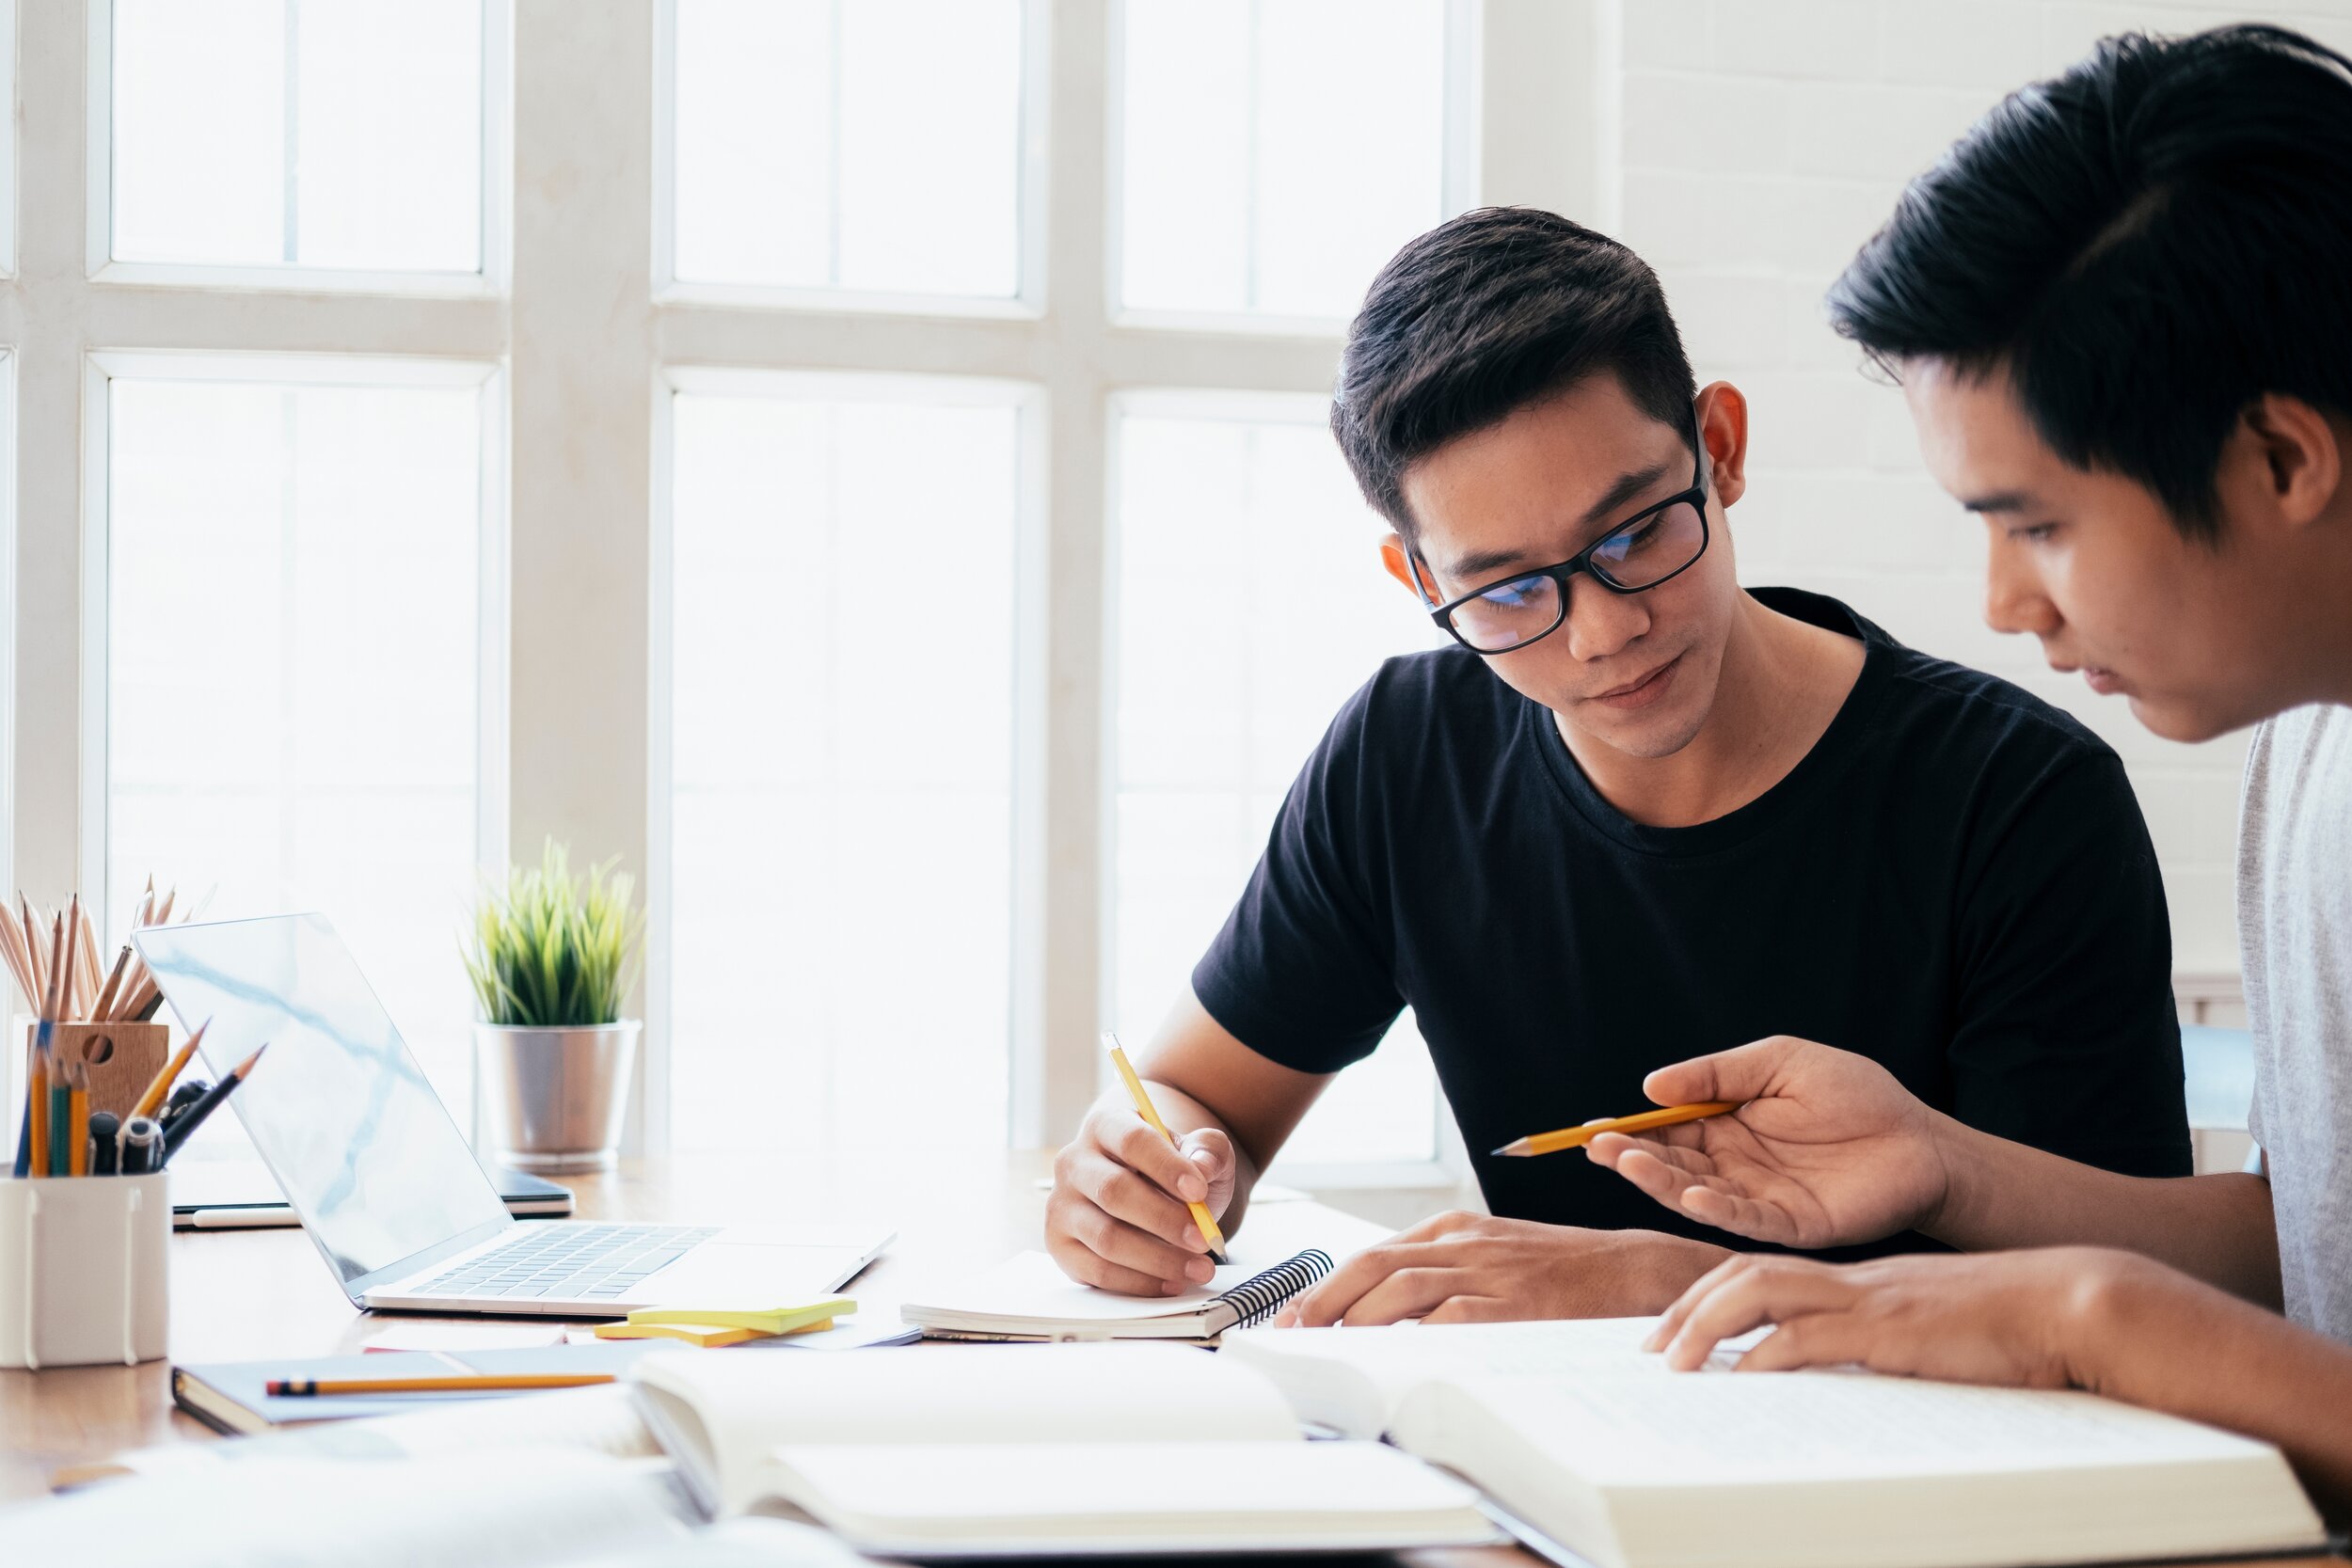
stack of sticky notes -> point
(711, 1327)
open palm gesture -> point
(1828, 1148)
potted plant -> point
(553, 957)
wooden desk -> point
(251, 1295)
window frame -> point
(489, 280)
(584, 331)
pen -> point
(180, 1130)
(303, 1387)
(1201, 1215)
(142, 1146)
(1577, 1137)
(105, 1148)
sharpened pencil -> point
(1201, 1215)
(308, 1387)
(1577, 1137)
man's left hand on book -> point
(1477, 1268)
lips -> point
(1641, 692)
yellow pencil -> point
(1201, 1215)
(1577, 1137)
(160, 1085)
(309, 1386)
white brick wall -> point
(1763, 141)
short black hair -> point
(1484, 315)
(2147, 245)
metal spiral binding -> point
(1261, 1295)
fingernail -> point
(1193, 1238)
(1203, 1158)
(1191, 1188)
(1199, 1269)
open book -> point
(1592, 1443)
(1048, 1451)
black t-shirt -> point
(1956, 881)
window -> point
(297, 134)
(1276, 152)
(291, 690)
(1250, 605)
(523, 427)
(840, 805)
(834, 144)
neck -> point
(1781, 683)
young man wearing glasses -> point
(2118, 310)
(1636, 813)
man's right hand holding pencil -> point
(1120, 1215)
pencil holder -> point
(83, 1270)
(122, 1057)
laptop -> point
(240, 1195)
(386, 1187)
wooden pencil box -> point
(122, 1057)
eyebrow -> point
(1478, 563)
(1999, 501)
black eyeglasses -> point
(1647, 549)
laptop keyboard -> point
(595, 1262)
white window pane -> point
(840, 865)
(342, 134)
(292, 671)
(1224, 688)
(868, 145)
(1276, 152)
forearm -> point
(2171, 1344)
(2000, 1194)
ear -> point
(1722, 417)
(2289, 457)
(1401, 565)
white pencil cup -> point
(83, 1270)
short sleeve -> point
(1303, 972)
(2067, 1037)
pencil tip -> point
(1218, 1258)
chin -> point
(1650, 737)
(2185, 721)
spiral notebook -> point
(1029, 1298)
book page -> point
(1172, 1495)
(1822, 1425)
(729, 1409)
(1029, 1287)
(527, 1509)
(596, 1420)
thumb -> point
(1211, 1149)
(1744, 1073)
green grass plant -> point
(554, 950)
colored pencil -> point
(1577, 1137)
(77, 1119)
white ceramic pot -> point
(554, 1099)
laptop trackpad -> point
(722, 1274)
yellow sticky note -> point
(772, 1319)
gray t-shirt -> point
(2294, 936)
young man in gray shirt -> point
(2119, 310)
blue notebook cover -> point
(228, 1395)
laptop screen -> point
(338, 1110)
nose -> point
(2014, 599)
(1602, 623)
